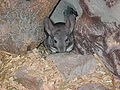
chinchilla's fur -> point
(59, 35)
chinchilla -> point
(59, 35)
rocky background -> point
(96, 66)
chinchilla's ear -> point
(70, 23)
(48, 24)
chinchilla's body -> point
(59, 35)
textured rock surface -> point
(72, 65)
(98, 31)
(21, 27)
(107, 10)
(92, 87)
(113, 58)
(30, 82)
(58, 14)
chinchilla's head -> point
(60, 35)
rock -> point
(30, 82)
(58, 14)
(107, 10)
(71, 65)
(93, 87)
(111, 56)
(97, 32)
(21, 24)
(89, 35)
(91, 31)
(113, 59)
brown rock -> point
(30, 82)
(71, 65)
(21, 27)
(96, 34)
(90, 34)
(113, 59)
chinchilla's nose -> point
(62, 49)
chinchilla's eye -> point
(55, 41)
(67, 40)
